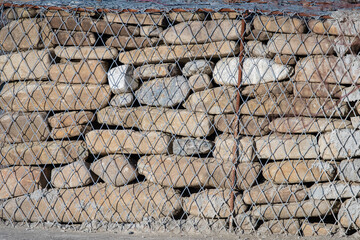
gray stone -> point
(351, 94)
(200, 82)
(198, 67)
(281, 226)
(150, 31)
(355, 122)
(257, 49)
(121, 79)
(349, 170)
(334, 190)
(148, 71)
(191, 146)
(87, 52)
(122, 100)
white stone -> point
(198, 67)
(121, 79)
(351, 94)
(355, 121)
(122, 100)
(334, 190)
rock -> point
(258, 35)
(351, 94)
(338, 25)
(70, 132)
(200, 82)
(166, 92)
(151, 31)
(43, 153)
(21, 180)
(272, 88)
(198, 67)
(307, 124)
(339, 144)
(64, 22)
(301, 44)
(109, 28)
(223, 15)
(355, 122)
(217, 100)
(122, 100)
(224, 148)
(194, 225)
(255, 71)
(28, 65)
(287, 146)
(131, 42)
(20, 127)
(322, 26)
(180, 122)
(321, 90)
(195, 172)
(285, 59)
(248, 125)
(331, 69)
(257, 49)
(346, 45)
(19, 12)
(121, 79)
(30, 96)
(127, 141)
(191, 146)
(245, 222)
(213, 203)
(334, 190)
(156, 71)
(319, 229)
(203, 32)
(116, 170)
(304, 209)
(349, 216)
(136, 18)
(86, 53)
(349, 170)
(281, 226)
(90, 71)
(67, 119)
(299, 171)
(186, 16)
(269, 193)
(73, 38)
(76, 174)
(279, 24)
(179, 53)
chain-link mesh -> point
(180, 120)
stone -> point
(224, 15)
(90, 71)
(303, 209)
(258, 35)
(330, 69)
(151, 31)
(73, 38)
(269, 193)
(121, 79)
(224, 148)
(319, 229)
(287, 146)
(131, 42)
(217, 100)
(165, 92)
(17, 127)
(196, 172)
(122, 100)
(179, 122)
(272, 88)
(281, 226)
(335, 190)
(346, 45)
(248, 125)
(339, 144)
(86, 53)
(213, 203)
(307, 124)
(349, 216)
(191, 146)
(186, 16)
(76, 174)
(279, 24)
(285, 59)
(349, 170)
(19, 12)
(194, 225)
(31, 95)
(178, 53)
(301, 44)
(355, 122)
(255, 71)
(127, 141)
(116, 170)
(245, 222)
(321, 90)
(203, 32)
(27, 65)
(198, 67)
(109, 28)
(322, 26)
(136, 18)
(67, 119)
(156, 71)
(257, 49)
(299, 171)
(43, 153)
(339, 24)
(69, 22)
(21, 180)
(351, 94)
(70, 132)
(200, 82)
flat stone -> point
(257, 49)
(307, 124)
(193, 224)
(166, 92)
(349, 170)
(69, 22)
(72, 38)
(355, 122)
(203, 32)
(122, 100)
(224, 148)
(319, 229)
(67, 119)
(179, 122)
(198, 67)
(224, 15)
(191, 146)
(127, 141)
(186, 16)
(245, 222)
(70, 132)
(90, 71)
(268, 192)
(200, 82)
(299, 171)
(304, 209)
(121, 79)
(272, 88)
(109, 28)
(76, 174)
(322, 26)
(151, 31)
(131, 42)
(28, 65)
(30, 96)
(19, 12)
(116, 170)
(17, 127)
(21, 180)
(213, 203)
(156, 71)
(217, 100)
(179, 53)
(322, 90)
(281, 226)
(196, 172)
(285, 59)
(339, 25)
(43, 153)
(136, 18)
(258, 35)
(351, 94)
(279, 24)
(335, 190)
(301, 44)
(346, 45)
(86, 53)
(349, 216)
(254, 71)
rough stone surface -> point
(349, 170)
(258, 35)
(257, 49)
(281, 226)
(69, 132)
(346, 45)
(136, 18)
(349, 216)
(321, 90)
(245, 222)
(186, 16)
(109, 28)
(334, 190)
(351, 94)
(67, 38)
(198, 67)
(86, 53)
(64, 22)
(340, 25)
(200, 82)
(355, 121)
(224, 148)
(67, 119)
(151, 31)
(76, 174)
(122, 100)
(156, 71)
(279, 24)
(263, 89)
(191, 146)
(131, 42)
(19, 12)
(121, 79)
(285, 59)
(319, 229)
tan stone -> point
(150, 31)
(346, 45)
(285, 59)
(224, 148)
(178, 53)
(72, 38)
(69, 132)
(319, 229)
(136, 18)
(257, 49)
(86, 53)
(132, 42)
(322, 27)
(19, 12)
(127, 141)
(313, 90)
(45, 96)
(67, 119)
(76, 174)
(259, 35)
(195, 172)
(224, 15)
(245, 222)
(103, 27)
(280, 24)
(349, 215)
(281, 226)
(200, 82)
(156, 70)
(186, 16)
(337, 26)
(273, 88)
(69, 22)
